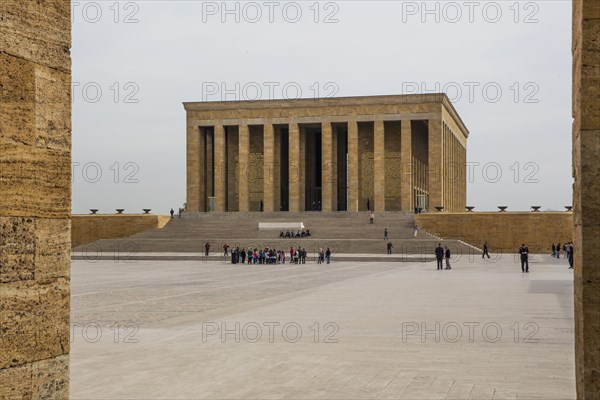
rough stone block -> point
(586, 159)
(52, 109)
(50, 378)
(52, 319)
(17, 249)
(586, 237)
(38, 31)
(17, 101)
(52, 249)
(15, 383)
(18, 302)
(34, 182)
(34, 321)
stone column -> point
(294, 166)
(269, 162)
(194, 167)
(353, 180)
(434, 167)
(220, 168)
(244, 157)
(406, 184)
(586, 202)
(379, 166)
(327, 167)
(35, 199)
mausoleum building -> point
(383, 153)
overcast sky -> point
(506, 66)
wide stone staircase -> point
(346, 234)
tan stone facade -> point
(35, 198)
(383, 153)
(586, 194)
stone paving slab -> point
(349, 330)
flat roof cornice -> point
(330, 101)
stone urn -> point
(439, 208)
(569, 208)
(470, 208)
(502, 208)
(536, 208)
(94, 211)
(146, 210)
(119, 210)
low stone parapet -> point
(504, 231)
(89, 228)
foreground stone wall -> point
(89, 228)
(35, 198)
(586, 199)
(503, 231)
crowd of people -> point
(267, 255)
(567, 249)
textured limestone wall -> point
(89, 228)
(586, 199)
(35, 198)
(503, 231)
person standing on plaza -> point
(385, 234)
(570, 247)
(303, 255)
(328, 255)
(372, 218)
(206, 248)
(225, 250)
(558, 250)
(553, 250)
(485, 251)
(524, 252)
(439, 256)
(389, 247)
(242, 256)
(447, 254)
(172, 213)
(415, 231)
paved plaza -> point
(348, 330)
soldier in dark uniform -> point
(570, 247)
(485, 251)
(524, 252)
(439, 256)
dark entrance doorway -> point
(284, 151)
(341, 136)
